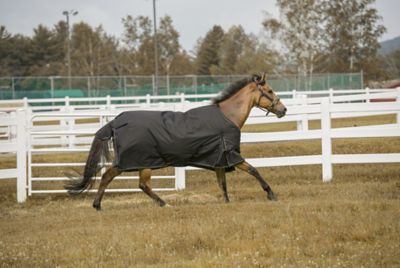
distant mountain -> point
(389, 46)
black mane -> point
(236, 86)
(231, 90)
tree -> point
(182, 64)
(168, 44)
(300, 29)
(353, 31)
(139, 46)
(44, 52)
(207, 54)
(335, 36)
(231, 48)
(389, 66)
(16, 57)
(84, 50)
(136, 32)
(5, 50)
(94, 53)
(145, 50)
(257, 57)
(242, 53)
(59, 65)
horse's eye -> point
(270, 91)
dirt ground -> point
(352, 221)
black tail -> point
(98, 149)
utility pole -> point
(155, 50)
(67, 14)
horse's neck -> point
(237, 108)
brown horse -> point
(207, 137)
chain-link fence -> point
(57, 87)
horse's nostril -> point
(284, 110)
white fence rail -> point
(178, 176)
(68, 132)
(256, 116)
(8, 124)
(16, 143)
(149, 101)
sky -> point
(191, 18)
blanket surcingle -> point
(201, 137)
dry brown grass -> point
(351, 222)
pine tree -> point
(44, 52)
(231, 49)
(207, 55)
(168, 44)
(5, 51)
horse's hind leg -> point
(254, 172)
(221, 178)
(144, 184)
(107, 177)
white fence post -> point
(12, 131)
(168, 85)
(71, 126)
(303, 123)
(63, 125)
(108, 102)
(367, 93)
(153, 82)
(331, 94)
(25, 101)
(180, 178)
(326, 140)
(21, 156)
(148, 100)
(182, 102)
(66, 101)
(294, 94)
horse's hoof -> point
(271, 196)
(163, 204)
(97, 207)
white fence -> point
(16, 143)
(103, 117)
(149, 101)
(67, 132)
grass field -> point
(351, 222)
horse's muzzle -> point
(281, 113)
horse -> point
(206, 137)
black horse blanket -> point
(201, 137)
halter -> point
(273, 101)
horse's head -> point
(266, 99)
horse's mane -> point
(233, 88)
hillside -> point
(389, 46)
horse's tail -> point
(98, 149)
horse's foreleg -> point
(107, 177)
(221, 178)
(144, 184)
(254, 172)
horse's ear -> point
(259, 79)
(264, 77)
(256, 78)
